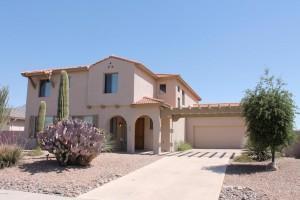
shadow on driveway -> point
(237, 169)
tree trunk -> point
(274, 167)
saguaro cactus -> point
(63, 97)
(41, 116)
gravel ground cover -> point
(252, 181)
(38, 175)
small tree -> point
(41, 116)
(63, 97)
(269, 111)
(4, 110)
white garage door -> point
(217, 137)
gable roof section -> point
(86, 68)
(181, 80)
(136, 63)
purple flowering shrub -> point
(73, 142)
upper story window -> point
(178, 102)
(183, 97)
(178, 88)
(163, 88)
(111, 83)
(45, 88)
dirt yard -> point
(36, 174)
(283, 184)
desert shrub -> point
(9, 155)
(183, 146)
(109, 144)
(244, 157)
(257, 152)
(73, 142)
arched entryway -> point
(144, 133)
(118, 130)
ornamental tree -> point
(269, 111)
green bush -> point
(183, 146)
(257, 152)
(9, 155)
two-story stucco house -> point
(142, 110)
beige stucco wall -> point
(189, 98)
(216, 132)
(166, 134)
(148, 137)
(169, 96)
(172, 93)
(144, 85)
(95, 88)
(178, 134)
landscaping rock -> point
(39, 175)
(240, 193)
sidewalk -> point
(17, 195)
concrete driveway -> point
(194, 174)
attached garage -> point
(216, 132)
(211, 126)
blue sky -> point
(220, 47)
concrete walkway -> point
(17, 195)
(195, 174)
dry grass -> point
(9, 155)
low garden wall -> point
(16, 137)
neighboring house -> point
(16, 121)
(142, 110)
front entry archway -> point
(144, 133)
(118, 130)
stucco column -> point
(130, 136)
(156, 134)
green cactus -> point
(41, 116)
(63, 97)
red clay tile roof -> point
(149, 100)
(54, 70)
